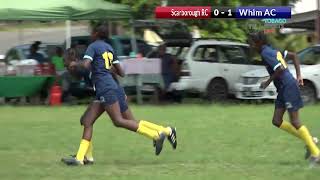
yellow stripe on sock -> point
(150, 133)
(305, 135)
(84, 144)
(156, 127)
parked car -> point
(17, 62)
(21, 52)
(121, 45)
(212, 68)
(248, 86)
(170, 31)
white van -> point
(213, 67)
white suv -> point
(212, 68)
(248, 86)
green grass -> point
(222, 142)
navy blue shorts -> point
(289, 97)
(111, 96)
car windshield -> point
(178, 51)
(309, 56)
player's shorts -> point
(289, 97)
(110, 96)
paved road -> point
(54, 35)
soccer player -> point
(100, 59)
(289, 98)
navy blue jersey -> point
(102, 58)
(272, 59)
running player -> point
(289, 98)
(100, 59)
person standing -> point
(100, 59)
(57, 61)
(34, 54)
(289, 97)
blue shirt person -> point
(289, 98)
(34, 54)
(273, 59)
(102, 59)
(110, 97)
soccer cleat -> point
(72, 161)
(159, 143)
(172, 138)
(308, 153)
(86, 161)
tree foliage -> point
(230, 28)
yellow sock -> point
(84, 144)
(305, 135)
(167, 130)
(286, 126)
(89, 153)
(150, 133)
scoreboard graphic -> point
(208, 12)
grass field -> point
(221, 142)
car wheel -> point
(217, 90)
(308, 93)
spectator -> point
(169, 69)
(34, 54)
(75, 83)
(57, 60)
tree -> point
(141, 9)
(231, 28)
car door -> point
(234, 61)
(307, 57)
(204, 65)
(310, 67)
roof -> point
(42, 10)
(304, 20)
